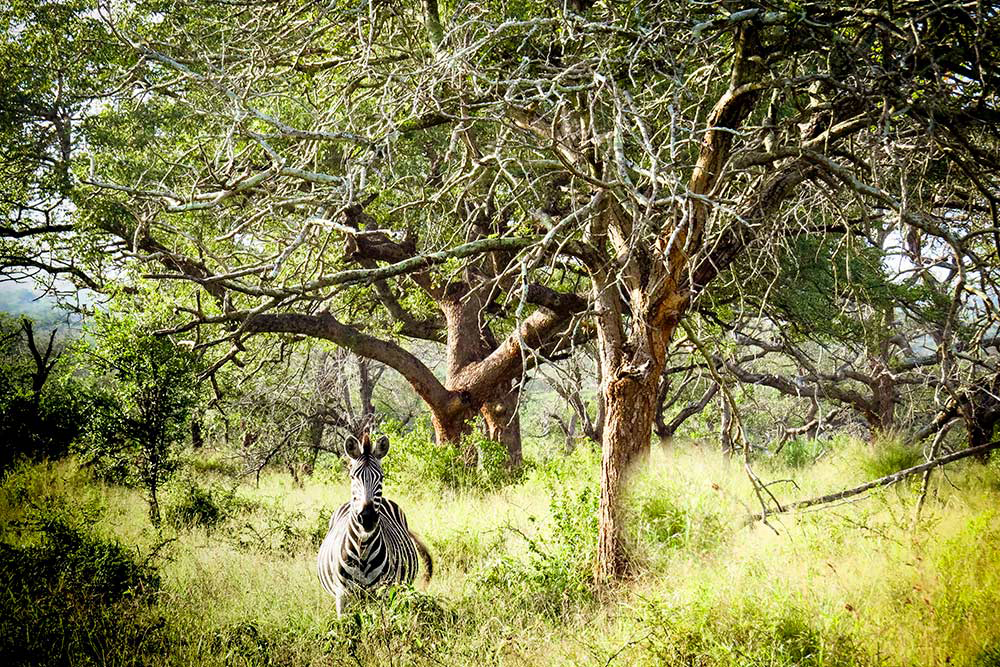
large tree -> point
(502, 168)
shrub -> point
(491, 471)
(414, 460)
(71, 597)
(800, 453)
(196, 505)
(42, 431)
(889, 456)
(321, 525)
(557, 573)
(396, 625)
(151, 388)
(275, 530)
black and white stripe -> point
(369, 542)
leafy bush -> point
(45, 430)
(196, 505)
(150, 391)
(396, 625)
(414, 460)
(276, 530)
(491, 468)
(70, 597)
(888, 456)
(799, 453)
(320, 526)
(557, 572)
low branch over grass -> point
(875, 483)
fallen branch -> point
(926, 482)
(881, 481)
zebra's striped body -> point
(369, 543)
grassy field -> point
(231, 579)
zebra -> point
(368, 543)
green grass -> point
(848, 585)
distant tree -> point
(151, 387)
(43, 408)
(297, 401)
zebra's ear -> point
(352, 447)
(381, 447)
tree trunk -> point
(632, 370)
(44, 363)
(451, 426)
(469, 342)
(812, 420)
(725, 428)
(885, 398)
(630, 404)
(366, 390)
(477, 362)
(503, 425)
(317, 427)
(154, 505)
(197, 435)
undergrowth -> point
(69, 595)
(231, 579)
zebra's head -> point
(366, 477)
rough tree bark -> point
(659, 282)
(630, 399)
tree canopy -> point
(512, 178)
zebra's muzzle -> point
(368, 516)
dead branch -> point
(876, 483)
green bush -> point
(272, 529)
(150, 387)
(70, 597)
(415, 461)
(46, 430)
(556, 576)
(196, 505)
(889, 456)
(396, 625)
(800, 453)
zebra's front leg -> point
(340, 595)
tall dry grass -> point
(853, 584)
